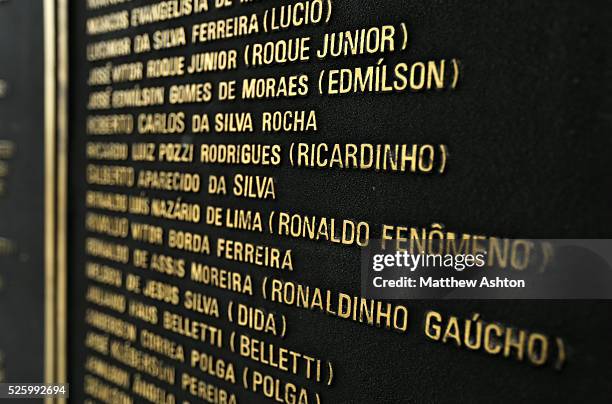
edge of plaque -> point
(55, 13)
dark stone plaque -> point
(229, 160)
(22, 192)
